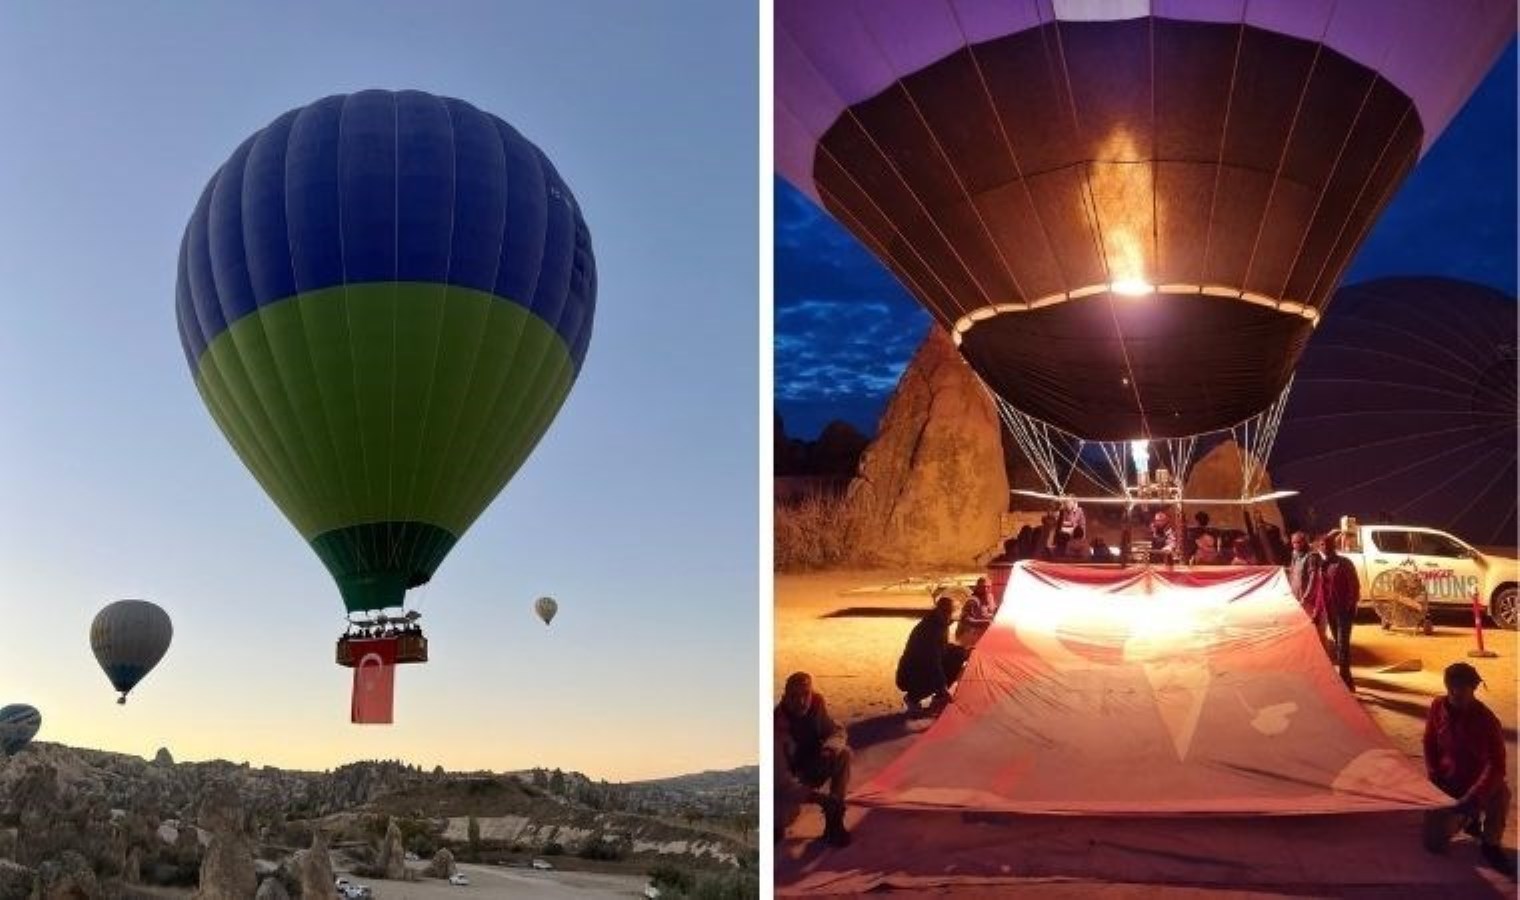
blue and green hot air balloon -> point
(384, 298)
(18, 725)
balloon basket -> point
(410, 648)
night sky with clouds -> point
(845, 328)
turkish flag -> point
(374, 680)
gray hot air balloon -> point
(18, 725)
(546, 608)
(129, 637)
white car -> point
(459, 879)
(542, 865)
(1450, 569)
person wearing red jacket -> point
(1464, 756)
(811, 749)
(1337, 591)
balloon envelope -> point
(129, 637)
(384, 299)
(1129, 214)
(18, 725)
(547, 608)
(1404, 410)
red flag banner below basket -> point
(374, 680)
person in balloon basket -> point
(811, 751)
(1464, 757)
(1163, 538)
(1337, 590)
(930, 664)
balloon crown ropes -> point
(384, 298)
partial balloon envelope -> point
(384, 299)
(129, 638)
(1129, 215)
(18, 725)
(547, 608)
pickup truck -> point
(1449, 568)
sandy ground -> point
(847, 629)
(497, 881)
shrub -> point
(816, 532)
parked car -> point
(542, 865)
(1450, 569)
(459, 879)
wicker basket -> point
(410, 648)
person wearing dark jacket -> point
(1338, 591)
(930, 664)
(1464, 756)
(811, 750)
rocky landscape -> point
(87, 824)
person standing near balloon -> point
(1338, 590)
(1303, 568)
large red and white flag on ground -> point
(374, 680)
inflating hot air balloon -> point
(1130, 215)
(384, 299)
(18, 725)
(1404, 411)
(546, 607)
(129, 638)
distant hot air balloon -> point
(129, 638)
(1129, 215)
(384, 299)
(546, 608)
(18, 725)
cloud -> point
(845, 328)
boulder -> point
(163, 758)
(932, 486)
(442, 865)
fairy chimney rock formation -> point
(932, 486)
(227, 870)
(1217, 476)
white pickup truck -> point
(1449, 568)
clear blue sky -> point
(638, 510)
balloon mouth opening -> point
(1133, 287)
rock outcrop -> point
(442, 865)
(227, 870)
(314, 869)
(163, 757)
(1218, 475)
(69, 877)
(932, 485)
(272, 888)
(392, 858)
(16, 880)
